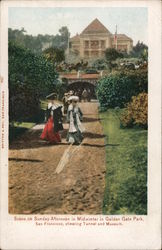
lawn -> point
(26, 125)
(126, 167)
(18, 128)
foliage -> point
(136, 112)
(30, 78)
(144, 55)
(99, 64)
(140, 50)
(68, 67)
(91, 71)
(61, 88)
(40, 42)
(133, 60)
(54, 55)
(117, 89)
(112, 54)
(126, 167)
(23, 102)
(64, 38)
(72, 57)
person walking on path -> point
(65, 102)
(74, 118)
(85, 95)
(54, 121)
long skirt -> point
(74, 138)
(48, 132)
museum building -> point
(96, 38)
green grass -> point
(18, 128)
(126, 167)
(26, 125)
(44, 104)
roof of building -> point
(122, 37)
(95, 27)
(75, 38)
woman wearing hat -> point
(74, 118)
(54, 121)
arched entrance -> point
(78, 88)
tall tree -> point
(139, 50)
(31, 77)
(40, 42)
(64, 32)
(111, 55)
(54, 55)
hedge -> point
(31, 77)
(117, 89)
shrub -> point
(99, 64)
(23, 103)
(136, 111)
(112, 54)
(31, 77)
(118, 88)
(54, 55)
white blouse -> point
(50, 104)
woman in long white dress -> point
(74, 118)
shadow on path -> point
(91, 119)
(22, 159)
(100, 146)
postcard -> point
(80, 125)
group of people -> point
(82, 95)
(54, 120)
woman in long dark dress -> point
(54, 122)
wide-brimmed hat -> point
(51, 96)
(73, 98)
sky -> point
(130, 21)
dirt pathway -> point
(34, 187)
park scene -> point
(89, 157)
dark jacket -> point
(57, 118)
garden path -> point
(34, 185)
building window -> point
(94, 44)
(86, 44)
(103, 44)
